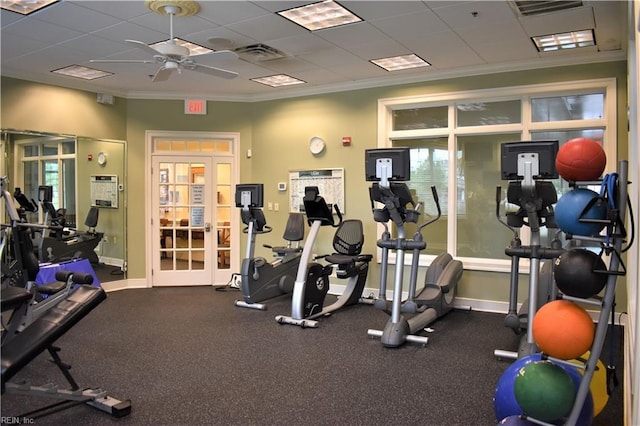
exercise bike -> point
(66, 244)
(261, 280)
(525, 165)
(312, 279)
(436, 298)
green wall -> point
(277, 132)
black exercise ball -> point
(575, 276)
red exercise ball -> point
(581, 159)
(562, 329)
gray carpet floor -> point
(188, 356)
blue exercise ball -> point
(515, 421)
(569, 210)
(504, 400)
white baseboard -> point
(493, 306)
(125, 284)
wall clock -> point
(316, 145)
(102, 158)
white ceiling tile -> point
(120, 9)
(372, 10)
(40, 30)
(300, 44)
(352, 35)
(415, 25)
(489, 14)
(221, 13)
(13, 45)
(8, 18)
(97, 46)
(130, 31)
(69, 15)
(267, 27)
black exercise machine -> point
(66, 244)
(23, 347)
(389, 167)
(261, 280)
(525, 165)
(20, 267)
(312, 279)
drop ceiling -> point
(457, 38)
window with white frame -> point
(51, 162)
(455, 141)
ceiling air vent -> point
(532, 7)
(259, 53)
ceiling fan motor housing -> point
(172, 50)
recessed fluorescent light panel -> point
(194, 49)
(403, 62)
(318, 16)
(278, 80)
(562, 41)
(24, 7)
(82, 72)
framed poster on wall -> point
(330, 183)
(104, 191)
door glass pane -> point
(571, 107)
(223, 147)
(178, 146)
(420, 118)
(162, 145)
(488, 113)
(479, 232)
(223, 214)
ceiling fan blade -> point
(162, 74)
(206, 69)
(144, 46)
(122, 61)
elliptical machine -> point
(261, 280)
(436, 298)
(312, 280)
(525, 165)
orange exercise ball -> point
(563, 330)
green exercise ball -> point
(544, 391)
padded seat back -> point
(92, 217)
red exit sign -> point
(195, 106)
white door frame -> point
(150, 136)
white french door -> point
(183, 220)
(191, 209)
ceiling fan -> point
(173, 56)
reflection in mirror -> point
(65, 168)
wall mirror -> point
(70, 178)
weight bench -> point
(39, 336)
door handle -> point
(207, 227)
